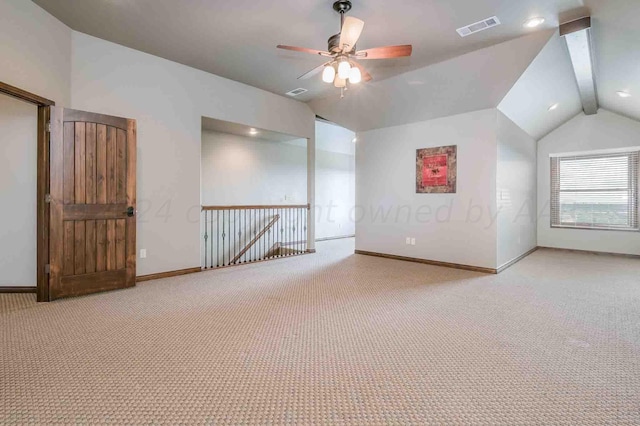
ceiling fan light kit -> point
(342, 69)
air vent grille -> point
(296, 92)
(476, 27)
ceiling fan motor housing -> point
(334, 43)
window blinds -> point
(595, 191)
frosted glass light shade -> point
(328, 74)
(344, 68)
(355, 76)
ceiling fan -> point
(343, 69)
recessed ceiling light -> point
(253, 132)
(534, 22)
(554, 107)
(624, 94)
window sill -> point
(591, 228)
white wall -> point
(168, 100)
(335, 180)
(457, 228)
(35, 52)
(18, 121)
(516, 191)
(584, 133)
(239, 170)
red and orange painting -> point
(436, 170)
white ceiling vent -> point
(485, 24)
(296, 92)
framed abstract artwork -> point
(436, 170)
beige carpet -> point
(336, 338)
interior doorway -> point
(42, 171)
(68, 197)
(335, 181)
(18, 169)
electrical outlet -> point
(413, 241)
(408, 240)
(143, 253)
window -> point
(595, 191)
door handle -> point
(130, 211)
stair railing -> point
(235, 235)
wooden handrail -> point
(284, 206)
(256, 238)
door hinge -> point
(48, 126)
(47, 268)
(47, 198)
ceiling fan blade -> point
(303, 50)
(385, 52)
(365, 74)
(313, 72)
(351, 30)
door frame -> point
(42, 231)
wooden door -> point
(92, 232)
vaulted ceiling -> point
(521, 77)
(518, 70)
(548, 81)
(237, 39)
(471, 82)
(616, 36)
